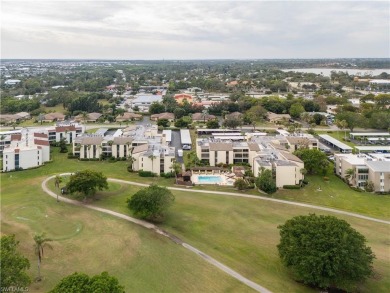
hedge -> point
(142, 173)
(291, 187)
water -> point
(209, 179)
(327, 71)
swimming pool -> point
(209, 179)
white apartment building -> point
(27, 150)
(258, 153)
(148, 148)
(372, 167)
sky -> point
(194, 29)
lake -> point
(327, 71)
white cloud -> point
(179, 30)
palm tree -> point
(349, 174)
(342, 125)
(57, 181)
(84, 115)
(40, 244)
(176, 167)
(303, 172)
(152, 157)
(132, 160)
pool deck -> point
(225, 181)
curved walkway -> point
(158, 230)
(259, 197)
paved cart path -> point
(158, 230)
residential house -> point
(202, 117)
(52, 117)
(127, 116)
(277, 118)
(166, 115)
(234, 115)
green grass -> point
(92, 242)
(242, 233)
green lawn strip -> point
(335, 193)
(243, 234)
(142, 260)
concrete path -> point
(158, 230)
(259, 197)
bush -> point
(143, 173)
(168, 175)
(291, 187)
(71, 156)
(304, 181)
(326, 178)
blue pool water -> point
(209, 179)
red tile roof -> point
(16, 137)
(65, 128)
(41, 142)
(37, 134)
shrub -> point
(168, 175)
(143, 173)
(304, 181)
(291, 187)
(326, 178)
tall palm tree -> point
(176, 167)
(40, 243)
(152, 157)
(84, 115)
(57, 181)
(349, 174)
(131, 161)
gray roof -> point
(253, 146)
(92, 140)
(122, 140)
(220, 146)
(140, 148)
(379, 166)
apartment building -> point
(261, 152)
(362, 168)
(26, 150)
(148, 148)
(68, 132)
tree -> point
(62, 145)
(256, 114)
(265, 181)
(232, 123)
(240, 184)
(212, 124)
(150, 203)
(325, 252)
(182, 123)
(80, 282)
(296, 110)
(57, 181)
(40, 243)
(156, 108)
(87, 182)
(131, 160)
(152, 157)
(13, 264)
(176, 167)
(352, 119)
(315, 161)
(342, 124)
(349, 174)
(163, 122)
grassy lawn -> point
(243, 234)
(92, 242)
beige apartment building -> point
(286, 166)
(362, 168)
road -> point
(160, 231)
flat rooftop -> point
(335, 142)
